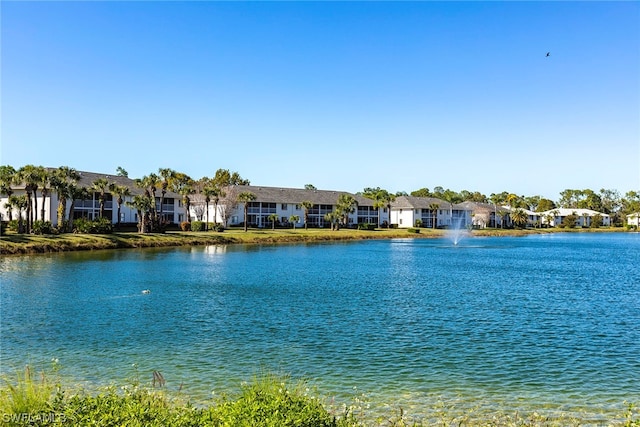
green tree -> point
(519, 217)
(8, 178)
(306, 205)
(45, 182)
(29, 175)
(167, 175)
(100, 187)
(293, 219)
(545, 205)
(75, 193)
(120, 191)
(61, 181)
(273, 218)
(433, 207)
(246, 197)
(184, 185)
(345, 206)
(121, 172)
(381, 198)
(423, 192)
(20, 203)
(309, 187)
(333, 218)
(142, 204)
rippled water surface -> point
(541, 321)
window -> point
(283, 206)
(401, 221)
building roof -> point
(412, 202)
(570, 211)
(298, 195)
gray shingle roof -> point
(411, 202)
(298, 195)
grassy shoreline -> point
(39, 398)
(23, 244)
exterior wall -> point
(90, 208)
(633, 219)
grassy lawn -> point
(13, 243)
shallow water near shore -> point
(543, 322)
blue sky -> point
(341, 95)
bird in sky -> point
(548, 54)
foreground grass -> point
(12, 243)
(270, 401)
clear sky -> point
(341, 95)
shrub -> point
(185, 226)
(218, 227)
(12, 225)
(42, 227)
(97, 226)
(197, 226)
(413, 230)
(418, 223)
(366, 226)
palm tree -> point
(61, 179)
(434, 211)
(29, 175)
(76, 193)
(20, 203)
(273, 218)
(120, 191)
(519, 218)
(246, 197)
(167, 176)
(293, 219)
(183, 185)
(45, 179)
(142, 204)
(8, 178)
(306, 205)
(100, 186)
(208, 191)
(333, 218)
(346, 205)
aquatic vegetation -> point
(268, 400)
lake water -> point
(546, 322)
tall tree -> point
(433, 207)
(306, 205)
(75, 193)
(167, 175)
(381, 198)
(519, 218)
(45, 181)
(19, 203)
(183, 185)
(100, 187)
(121, 172)
(142, 204)
(246, 197)
(29, 175)
(345, 206)
(120, 191)
(8, 178)
(61, 180)
(273, 218)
